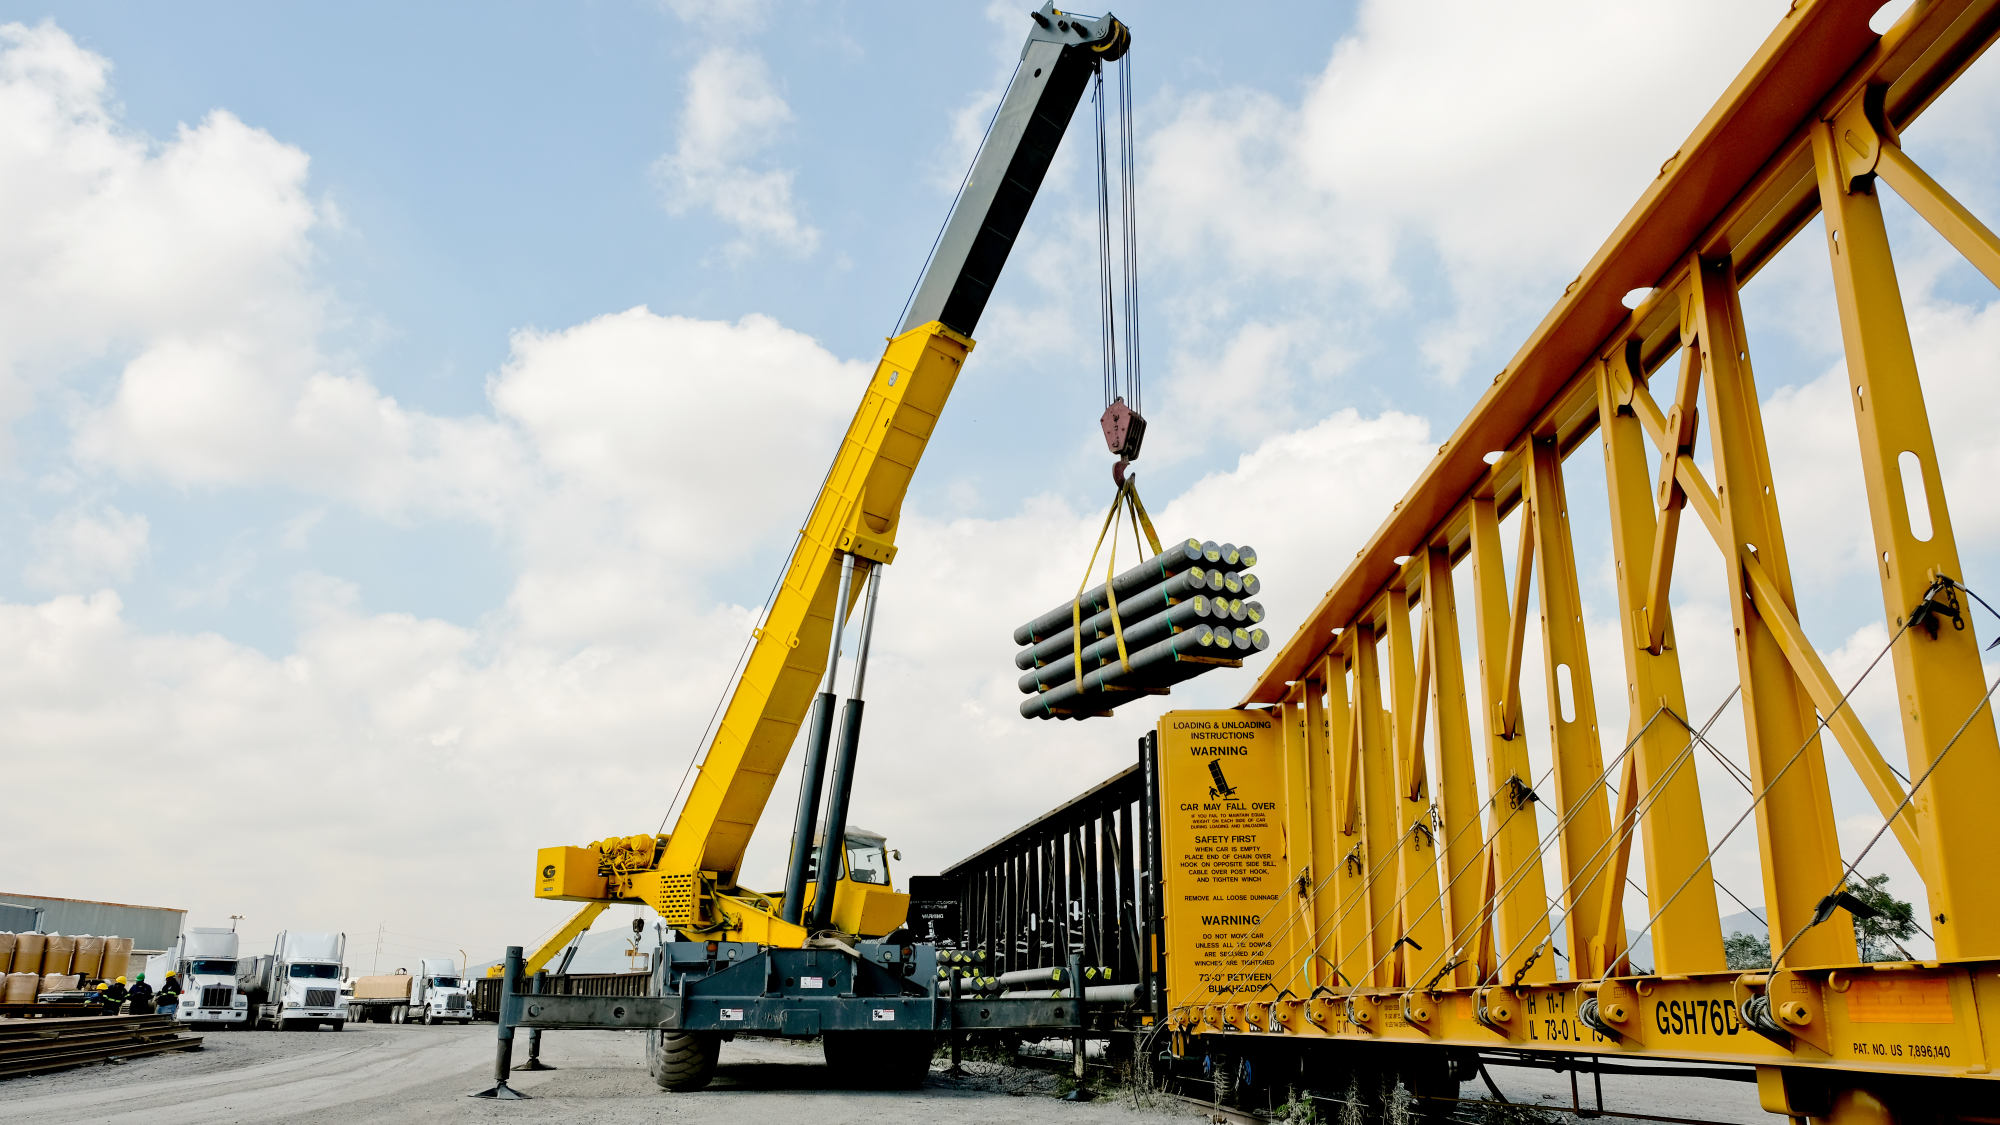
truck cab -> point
(438, 993)
(204, 961)
(298, 984)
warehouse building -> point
(151, 928)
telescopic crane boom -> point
(690, 875)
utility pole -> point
(375, 966)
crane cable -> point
(1127, 499)
(1111, 295)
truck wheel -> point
(340, 1025)
(884, 1060)
(686, 1059)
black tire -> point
(685, 1060)
(340, 1025)
(880, 1060)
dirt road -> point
(407, 1073)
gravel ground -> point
(408, 1073)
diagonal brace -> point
(1876, 776)
(1517, 626)
(1677, 435)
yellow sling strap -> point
(1128, 497)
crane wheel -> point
(685, 1060)
(881, 1060)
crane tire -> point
(686, 1059)
(882, 1060)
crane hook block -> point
(1124, 429)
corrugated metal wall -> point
(152, 928)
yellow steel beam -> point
(1299, 927)
(1938, 679)
(1517, 635)
(1350, 874)
(1688, 936)
(1800, 849)
(1419, 928)
(1463, 846)
(1572, 702)
(1325, 849)
(1741, 185)
(1876, 775)
(1520, 916)
(1678, 435)
(858, 511)
(1846, 726)
(1374, 781)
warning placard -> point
(1223, 849)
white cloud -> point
(733, 113)
(114, 241)
(82, 549)
(1504, 141)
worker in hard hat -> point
(114, 994)
(102, 998)
(168, 1000)
(141, 996)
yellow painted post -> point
(1795, 826)
(1687, 938)
(1325, 836)
(1350, 874)
(1520, 920)
(1580, 800)
(1379, 830)
(1294, 953)
(1457, 786)
(1416, 848)
(1939, 681)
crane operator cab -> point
(865, 903)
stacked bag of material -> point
(32, 963)
(1181, 613)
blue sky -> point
(420, 402)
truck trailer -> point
(297, 984)
(436, 994)
(204, 961)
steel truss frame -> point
(1420, 914)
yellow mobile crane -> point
(761, 968)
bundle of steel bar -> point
(1214, 560)
(1167, 620)
(1150, 671)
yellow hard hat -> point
(121, 980)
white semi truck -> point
(204, 961)
(436, 994)
(297, 984)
